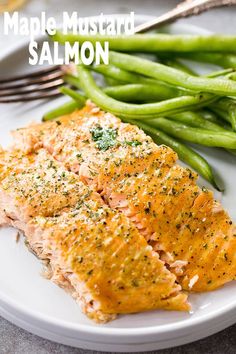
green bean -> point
(226, 108)
(128, 77)
(219, 73)
(149, 93)
(161, 90)
(112, 82)
(214, 117)
(220, 113)
(225, 60)
(232, 76)
(226, 104)
(123, 75)
(152, 43)
(211, 116)
(175, 63)
(165, 58)
(131, 92)
(72, 80)
(194, 119)
(79, 98)
(137, 111)
(136, 93)
(199, 136)
(66, 108)
(185, 153)
(172, 76)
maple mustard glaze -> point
(106, 253)
(194, 236)
(94, 252)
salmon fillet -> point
(35, 184)
(92, 251)
(70, 140)
(190, 230)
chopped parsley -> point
(133, 143)
(105, 137)
(80, 259)
(148, 208)
(204, 189)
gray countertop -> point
(14, 340)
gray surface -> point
(14, 340)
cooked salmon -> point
(35, 184)
(190, 230)
(92, 251)
(90, 140)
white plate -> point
(40, 307)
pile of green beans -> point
(196, 135)
(135, 111)
(173, 76)
(124, 76)
(165, 98)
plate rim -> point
(108, 332)
(111, 331)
